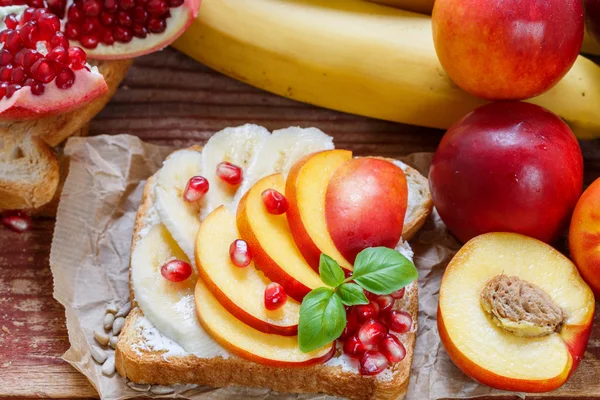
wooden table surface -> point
(166, 98)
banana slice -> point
(168, 305)
(281, 151)
(181, 218)
(235, 145)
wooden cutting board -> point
(170, 99)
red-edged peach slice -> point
(365, 205)
(507, 343)
(248, 343)
(305, 190)
(584, 236)
(274, 250)
(239, 290)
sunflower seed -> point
(118, 325)
(158, 389)
(112, 308)
(101, 338)
(108, 368)
(124, 310)
(139, 387)
(113, 342)
(108, 321)
(98, 355)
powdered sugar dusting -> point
(153, 340)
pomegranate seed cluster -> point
(368, 334)
(21, 62)
(108, 21)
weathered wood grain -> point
(166, 98)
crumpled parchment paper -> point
(90, 261)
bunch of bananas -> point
(359, 57)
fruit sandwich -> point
(274, 260)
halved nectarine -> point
(239, 290)
(248, 343)
(273, 247)
(514, 313)
(305, 190)
(584, 236)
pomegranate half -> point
(40, 73)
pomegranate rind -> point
(88, 86)
(181, 18)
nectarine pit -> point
(520, 307)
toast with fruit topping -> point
(219, 284)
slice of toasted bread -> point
(140, 359)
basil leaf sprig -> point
(379, 270)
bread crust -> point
(145, 366)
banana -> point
(235, 145)
(358, 57)
(168, 305)
(280, 151)
(419, 6)
(181, 218)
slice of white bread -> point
(138, 359)
(29, 172)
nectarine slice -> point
(306, 189)
(273, 247)
(239, 290)
(248, 343)
(519, 340)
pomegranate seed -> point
(48, 24)
(11, 21)
(27, 14)
(57, 7)
(157, 8)
(26, 58)
(6, 73)
(126, 4)
(230, 173)
(11, 89)
(36, 3)
(4, 35)
(275, 296)
(74, 14)
(352, 325)
(122, 35)
(18, 75)
(90, 25)
(369, 295)
(139, 14)
(140, 31)
(175, 3)
(141, 2)
(108, 37)
(5, 57)
(43, 71)
(354, 348)
(29, 33)
(77, 57)
(37, 88)
(91, 8)
(72, 31)
(392, 349)
(124, 19)
(372, 363)
(398, 294)
(372, 332)
(3, 87)
(176, 270)
(275, 202)
(347, 274)
(107, 19)
(13, 41)
(89, 42)
(156, 25)
(65, 78)
(364, 312)
(195, 189)
(59, 54)
(240, 253)
(59, 40)
(16, 220)
(38, 13)
(385, 303)
(399, 321)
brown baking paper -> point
(90, 261)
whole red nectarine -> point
(507, 167)
(509, 49)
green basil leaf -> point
(330, 271)
(351, 294)
(382, 271)
(322, 319)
